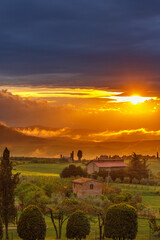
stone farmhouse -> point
(107, 165)
(86, 186)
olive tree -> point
(31, 224)
(121, 222)
(78, 226)
(60, 212)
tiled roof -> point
(110, 164)
(83, 180)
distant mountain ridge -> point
(27, 145)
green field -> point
(54, 169)
(48, 169)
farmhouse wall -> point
(87, 188)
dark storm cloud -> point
(85, 39)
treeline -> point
(137, 172)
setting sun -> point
(137, 99)
(131, 99)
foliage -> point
(50, 184)
(28, 193)
(138, 168)
(121, 222)
(117, 180)
(155, 228)
(107, 189)
(97, 206)
(78, 226)
(73, 171)
(135, 181)
(8, 183)
(126, 180)
(144, 181)
(79, 155)
(120, 173)
(31, 224)
(61, 212)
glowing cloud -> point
(50, 92)
(132, 99)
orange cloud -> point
(50, 92)
(126, 135)
(92, 136)
(43, 133)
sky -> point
(90, 66)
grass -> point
(41, 168)
(154, 165)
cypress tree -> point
(8, 183)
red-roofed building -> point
(86, 186)
(108, 165)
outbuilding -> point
(86, 186)
(107, 165)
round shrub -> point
(121, 222)
(126, 180)
(31, 224)
(153, 182)
(78, 226)
(135, 181)
(117, 180)
(144, 181)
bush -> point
(100, 179)
(121, 222)
(126, 180)
(125, 197)
(73, 171)
(110, 179)
(31, 224)
(144, 181)
(117, 180)
(135, 181)
(121, 173)
(78, 226)
(153, 182)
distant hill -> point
(22, 144)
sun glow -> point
(135, 99)
(138, 99)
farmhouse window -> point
(91, 186)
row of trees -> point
(138, 169)
(120, 223)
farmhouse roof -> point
(109, 163)
(84, 180)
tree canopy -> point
(73, 171)
(121, 222)
(138, 168)
(31, 224)
(79, 155)
(8, 183)
(78, 226)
